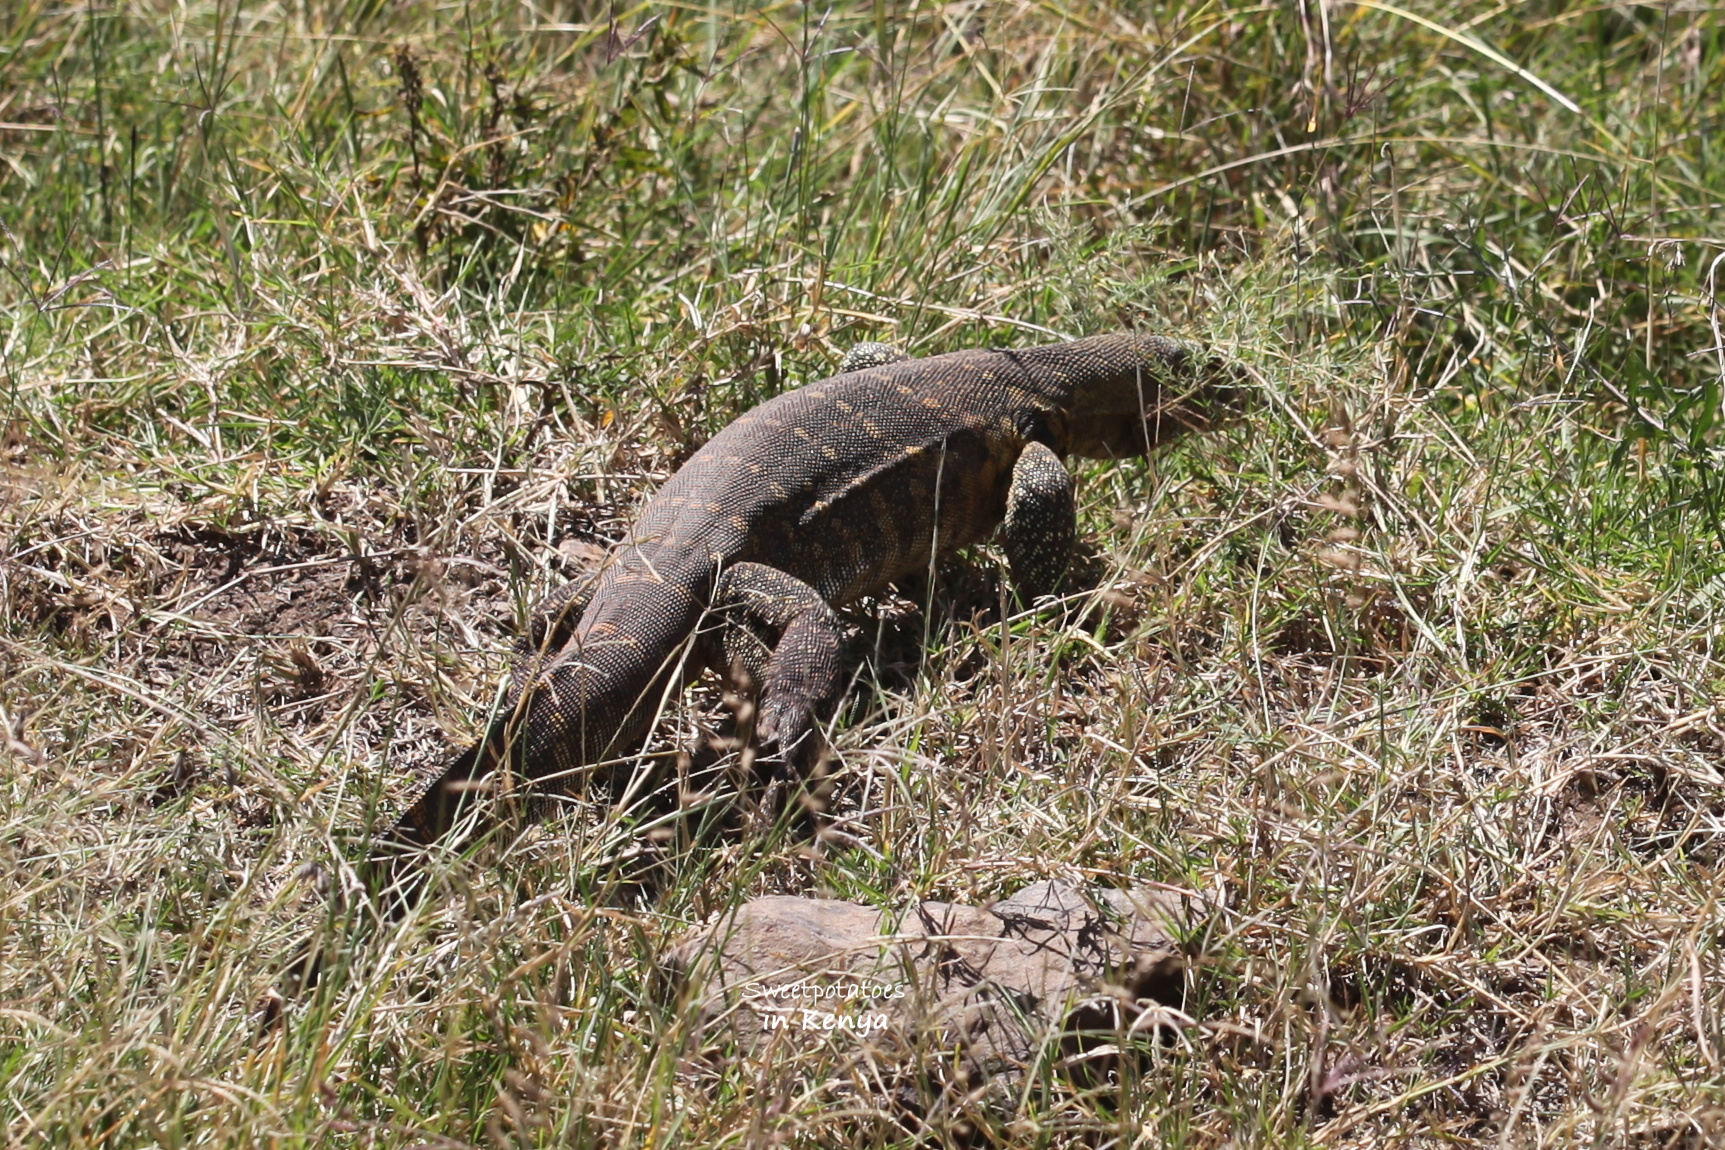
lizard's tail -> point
(436, 811)
(389, 875)
(393, 872)
(568, 719)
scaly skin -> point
(805, 503)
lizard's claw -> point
(794, 758)
(783, 723)
(788, 733)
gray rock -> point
(1051, 979)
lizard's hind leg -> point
(781, 634)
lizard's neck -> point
(1091, 376)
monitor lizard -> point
(819, 496)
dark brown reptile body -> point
(812, 499)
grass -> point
(333, 334)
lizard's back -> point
(846, 483)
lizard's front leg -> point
(781, 634)
(1041, 521)
(866, 355)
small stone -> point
(968, 999)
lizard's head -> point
(1135, 392)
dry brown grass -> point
(1411, 674)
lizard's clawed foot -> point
(792, 754)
